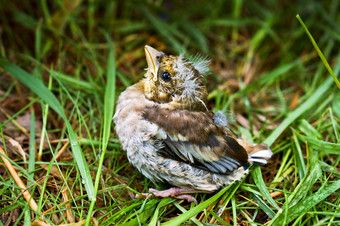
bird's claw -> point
(178, 193)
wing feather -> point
(193, 137)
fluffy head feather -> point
(179, 82)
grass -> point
(63, 65)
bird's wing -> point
(193, 137)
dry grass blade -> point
(19, 182)
(69, 215)
(16, 144)
(39, 223)
(62, 150)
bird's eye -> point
(166, 76)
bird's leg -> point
(178, 193)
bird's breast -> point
(131, 128)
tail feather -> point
(267, 154)
(260, 157)
(257, 153)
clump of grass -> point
(63, 64)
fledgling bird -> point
(170, 136)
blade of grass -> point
(258, 179)
(308, 129)
(302, 207)
(299, 161)
(110, 91)
(260, 82)
(336, 105)
(140, 217)
(19, 112)
(218, 218)
(10, 207)
(190, 213)
(196, 35)
(300, 191)
(319, 51)
(45, 108)
(307, 182)
(184, 210)
(73, 82)
(67, 79)
(233, 207)
(17, 179)
(264, 206)
(27, 216)
(236, 15)
(31, 161)
(162, 28)
(118, 215)
(310, 102)
(334, 123)
(283, 170)
(44, 93)
(320, 145)
(123, 79)
(162, 203)
(109, 103)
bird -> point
(169, 134)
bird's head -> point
(175, 81)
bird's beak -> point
(153, 58)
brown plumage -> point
(170, 135)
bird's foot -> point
(178, 193)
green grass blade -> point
(196, 35)
(9, 207)
(307, 182)
(264, 206)
(190, 213)
(310, 102)
(321, 145)
(141, 217)
(67, 79)
(233, 206)
(109, 103)
(319, 52)
(110, 97)
(123, 79)
(334, 124)
(303, 207)
(163, 202)
(162, 27)
(73, 82)
(27, 217)
(336, 105)
(299, 160)
(308, 129)
(34, 84)
(31, 160)
(262, 81)
(258, 179)
(44, 93)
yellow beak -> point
(153, 58)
